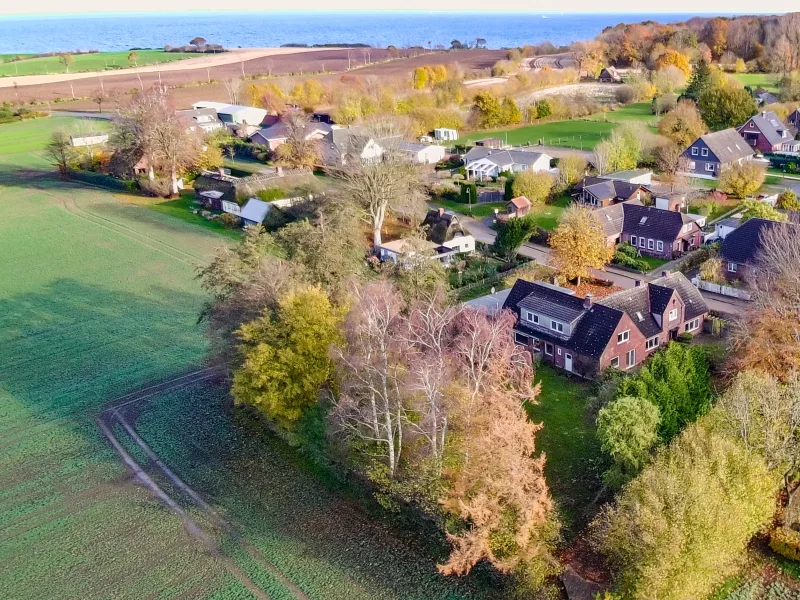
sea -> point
(119, 32)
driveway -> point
(482, 232)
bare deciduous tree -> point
(233, 87)
(300, 149)
(387, 182)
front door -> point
(568, 362)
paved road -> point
(624, 279)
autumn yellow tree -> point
(285, 359)
(579, 243)
(534, 185)
(676, 59)
(683, 124)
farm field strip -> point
(115, 413)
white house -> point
(234, 114)
(254, 211)
(274, 136)
(444, 134)
(484, 163)
(89, 139)
(204, 119)
(424, 154)
(348, 143)
(462, 244)
(640, 176)
(399, 250)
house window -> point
(642, 242)
(704, 152)
(614, 362)
(548, 349)
(521, 338)
(558, 350)
(650, 244)
(660, 246)
(694, 151)
(630, 358)
(692, 325)
(710, 167)
(732, 267)
(752, 124)
(532, 317)
(673, 314)
(556, 326)
(633, 240)
(651, 343)
(623, 336)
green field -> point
(99, 61)
(768, 81)
(582, 134)
(98, 298)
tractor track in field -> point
(160, 480)
(69, 205)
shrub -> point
(685, 337)
(534, 185)
(230, 221)
(742, 180)
(469, 193)
(270, 194)
(625, 94)
(788, 201)
(786, 542)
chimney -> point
(665, 273)
(637, 283)
(221, 171)
(587, 302)
(764, 114)
(441, 211)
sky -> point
(41, 7)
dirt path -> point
(201, 62)
(159, 470)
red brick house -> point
(739, 250)
(765, 132)
(620, 331)
(655, 232)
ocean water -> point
(106, 32)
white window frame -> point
(642, 242)
(633, 241)
(518, 335)
(651, 343)
(546, 345)
(704, 152)
(630, 358)
(673, 314)
(709, 166)
(732, 267)
(614, 362)
(659, 246)
(558, 351)
(532, 317)
(651, 244)
(692, 325)
(623, 336)
(694, 151)
(752, 125)
(557, 326)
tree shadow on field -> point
(73, 346)
(66, 349)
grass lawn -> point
(182, 209)
(479, 211)
(98, 298)
(99, 61)
(768, 81)
(242, 167)
(653, 262)
(573, 134)
(639, 111)
(568, 439)
(549, 215)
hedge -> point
(107, 181)
(786, 542)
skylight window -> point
(639, 316)
(643, 220)
(608, 217)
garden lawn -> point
(181, 208)
(653, 262)
(479, 211)
(548, 215)
(568, 439)
(580, 134)
(99, 61)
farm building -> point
(234, 114)
(443, 134)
